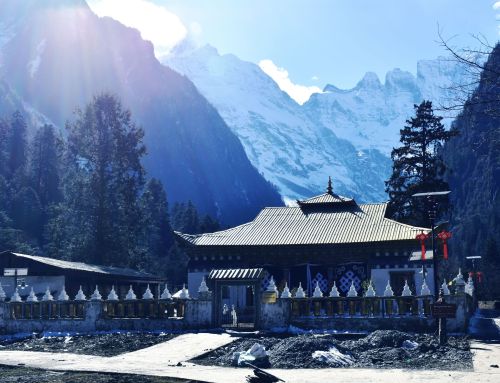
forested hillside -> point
(473, 160)
(85, 195)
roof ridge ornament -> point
(329, 188)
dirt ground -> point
(380, 349)
(29, 375)
(108, 344)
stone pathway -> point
(162, 359)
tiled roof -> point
(236, 274)
(299, 226)
(110, 270)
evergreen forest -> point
(83, 194)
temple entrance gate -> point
(236, 297)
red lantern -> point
(422, 237)
(444, 236)
(479, 275)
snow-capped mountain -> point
(371, 114)
(291, 150)
(347, 134)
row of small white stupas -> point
(96, 295)
(370, 291)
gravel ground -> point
(29, 375)
(380, 349)
(108, 344)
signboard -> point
(14, 272)
(444, 310)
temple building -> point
(26, 272)
(322, 240)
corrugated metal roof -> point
(236, 274)
(298, 226)
(110, 270)
(326, 198)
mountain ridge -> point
(190, 148)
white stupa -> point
(406, 290)
(352, 291)
(47, 296)
(300, 293)
(317, 293)
(112, 296)
(334, 292)
(32, 297)
(184, 292)
(459, 279)
(63, 296)
(166, 293)
(388, 290)
(285, 294)
(130, 294)
(148, 294)
(80, 296)
(444, 286)
(2, 293)
(370, 291)
(271, 287)
(16, 297)
(203, 286)
(96, 295)
(424, 291)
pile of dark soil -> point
(29, 375)
(108, 344)
(385, 349)
(380, 349)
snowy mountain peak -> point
(369, 80)
(399, 80)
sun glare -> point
(156, 24)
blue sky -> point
(317, 42)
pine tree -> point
(417, 165)
(157, 231)
(208, 225)
(44, 170)
(100, 215)
(4, 138)
(26, 212)
(17, 149)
